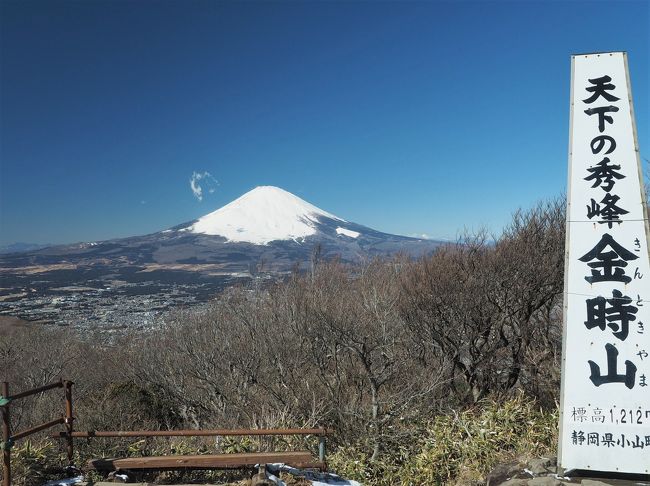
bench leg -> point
(261, 478)
(321, 448)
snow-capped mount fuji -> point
(266, 231)
(265, 214)
(282, 229)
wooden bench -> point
(298, 459)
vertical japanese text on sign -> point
(605, 403)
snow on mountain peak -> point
(265, 214)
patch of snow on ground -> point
(262, 215)
(347, 232)
(317, 479)
(66, 482)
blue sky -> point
(409, 117)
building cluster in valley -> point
(111, 309)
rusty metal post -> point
(69, 419)
(6, 436)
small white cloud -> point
(200, 181)
(422, 236)
(196, 189)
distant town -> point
(109, 309)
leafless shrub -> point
(491, 307)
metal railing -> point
(8, 439)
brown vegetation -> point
(375, 353)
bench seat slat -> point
(302, 459)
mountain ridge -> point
(233, 222)
(267, 224)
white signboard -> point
(605, 409)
